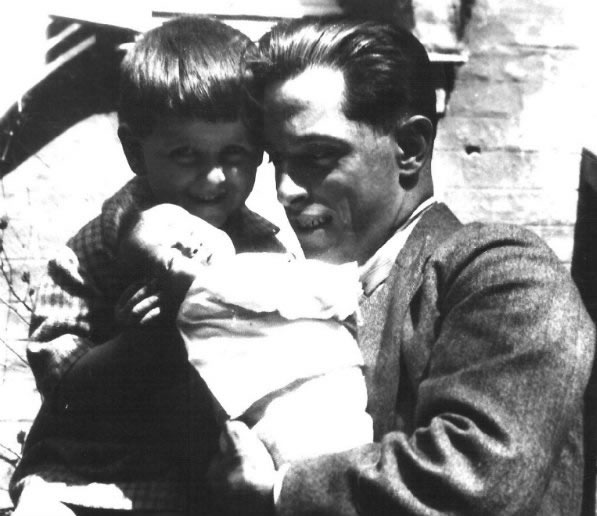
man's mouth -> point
(310, 222)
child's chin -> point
(215, 217)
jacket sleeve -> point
(72, 310)
(505, 349)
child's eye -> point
(235, 156)
(183, 155)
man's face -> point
(208, 168)
(337, 179)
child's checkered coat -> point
(140, 458)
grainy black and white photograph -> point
(395, 314)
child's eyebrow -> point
(236, 147)
(174, 140)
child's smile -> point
(208, 168)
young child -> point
(129, 439)
(264, 330)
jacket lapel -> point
(384, 314)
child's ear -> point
(131, 145)
(414, 137)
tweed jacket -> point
(478, 350)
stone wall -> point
(509, 146)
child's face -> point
(208, 168)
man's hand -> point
(241, 477)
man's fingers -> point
(236, 438)
(241, 477)
(238, 441)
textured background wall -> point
(521, 110)
(507, 150)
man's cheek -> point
(344, 213)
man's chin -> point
(318, 244)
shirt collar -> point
(377, 268)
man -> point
(476, 344)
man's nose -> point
(289, 192)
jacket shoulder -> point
(473, 240)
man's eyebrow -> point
(281, 113)
(314, 139)
(317, 138)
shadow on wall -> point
(584, 273)
(86, 84)
(584, 260)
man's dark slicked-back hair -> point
(386, 69)
(189, 66)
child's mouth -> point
(209, 199)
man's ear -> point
(131, 145)
(414, 137)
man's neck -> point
(377, 268)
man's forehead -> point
(277, 108)
(312, 98)
(315, 87)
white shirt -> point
(377, 268)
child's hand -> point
(149, 303)
(175, 281)
(139, 306)
(145, 321)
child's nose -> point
(216, 175)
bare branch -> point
(9, 281)
(13, 351)
(14, 310)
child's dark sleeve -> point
(74, 306)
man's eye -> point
(317, 161)
(183, 155)
(322, 157)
